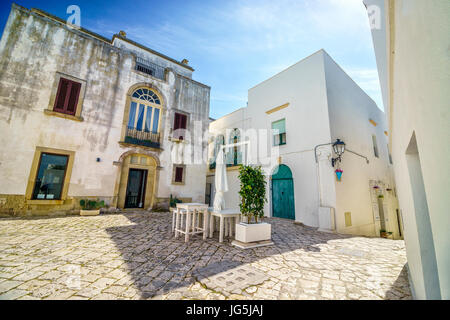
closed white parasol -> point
(221, 183)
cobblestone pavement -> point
(133, 256)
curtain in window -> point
(132, 115)
(155, 121)
(148, 119)
(140, 117)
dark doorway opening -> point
(135, 195)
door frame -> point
(151, 163)
(142, 188)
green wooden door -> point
(283, 205)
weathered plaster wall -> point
(32, 49)
(152, 57)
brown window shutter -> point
(179, 174)
(176, 123)
(61, 94)
(183, 121)
(67, 96)
(73, 97)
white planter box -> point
(253, 232)
(89, 212)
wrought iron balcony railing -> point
(150, 68)
(142, 138)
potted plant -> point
(253, 197)
(339, 174)
(173, 201)
(384, 234)
(91, 207)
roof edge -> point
(98, 36)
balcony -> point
(150, 68)
(231, 159)
(142, 138)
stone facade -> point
(36, 51)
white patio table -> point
(226, 217)
(192, 226)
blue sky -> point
(235, 44)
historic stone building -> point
(85, 116)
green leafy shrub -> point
(252, 192)
(87, 204)
(173, 201)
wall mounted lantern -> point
(339, 149)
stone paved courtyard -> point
(133, 256)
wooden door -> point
(283, 204)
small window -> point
(389, 154)
(375, 146)
(178, 174)
(50, 177)
(179, 126)
(348, 219)
(145, 69)
(279, 132)
(67, 96)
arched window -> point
(220, 141)
(235, 156)
(145, 111)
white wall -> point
(237, 119)
(350, 110)
(303, 87)
(324, 104)
(419, 108)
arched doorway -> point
(137, 181)
(283, 205)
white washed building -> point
(411, 40)
(311, 103)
